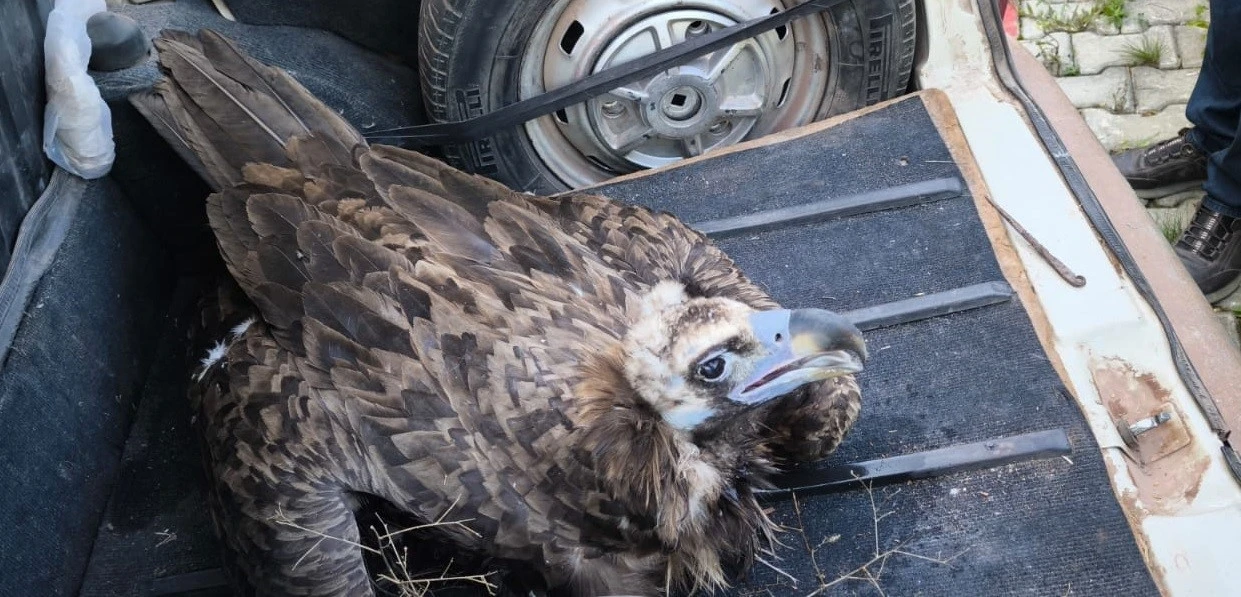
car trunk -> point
(882, 214)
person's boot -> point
(1164, 168)
(1210, 248)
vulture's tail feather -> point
(221, 109)
(289, 174)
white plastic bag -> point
(77, 125)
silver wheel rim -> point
(763, 85)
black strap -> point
(598, 83)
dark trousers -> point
(1215, 108)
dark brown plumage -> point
(593, 386)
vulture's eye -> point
(712, 369)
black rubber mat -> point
(1049, 527)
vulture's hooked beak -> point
(803, 346)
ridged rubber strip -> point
(818, 479)
(1095, 213)
(938, 304)
(926, 191)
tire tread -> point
(907, 12)
(438, 20)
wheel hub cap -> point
(680, 103)
(684, 108)
(715, 100)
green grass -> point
(1113, 11)
(1148, 52)
(1049, 55)
(1062, 18)
(1171, 228)
(1075, 18)
(1172, 221)
(1200, 17)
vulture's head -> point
(699, 361)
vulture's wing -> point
(416, 323)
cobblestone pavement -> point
(1129, 67)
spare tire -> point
(479, 55)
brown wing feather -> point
(264, 504)
(228, 110)
(415, 170)
(164, 109)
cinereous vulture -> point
(594, 387)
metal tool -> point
(1073, 278)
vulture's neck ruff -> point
(688, 371)
(664, 413)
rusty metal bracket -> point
(1154, 437)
